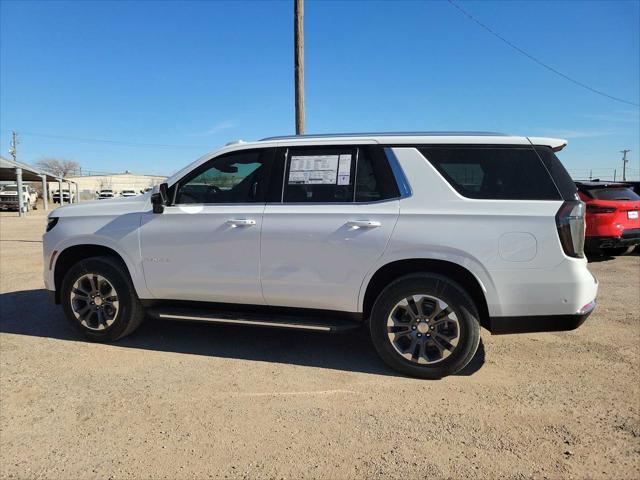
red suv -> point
(612, 216)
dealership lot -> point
(179, 400)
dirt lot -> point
(198, 401)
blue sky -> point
(185, 77)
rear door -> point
(333, 215)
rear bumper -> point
(539, 323)
(628, 238)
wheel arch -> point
(74, 253)
(389, 272)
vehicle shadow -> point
(29, 312)
(599, 257)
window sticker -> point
(314, 169)
(344, 165)
(344, 169)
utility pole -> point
(298, 35)
(624, 163)
(14, 144)
(13, 150)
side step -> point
(310, 322)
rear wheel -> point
(99, 299)
(425, 325)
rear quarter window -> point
(496, 173)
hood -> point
(11, 194)
(109, 207)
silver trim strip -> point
(245, 322)
(398, 173)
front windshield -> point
(10, 188)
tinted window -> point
(374, 178)
(613, 194)
(319, 174)
(559, 174)
(503, 173)
(237, 177)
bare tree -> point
(58, 166)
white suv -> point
(422, 237)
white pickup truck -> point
(9, 197)
(105, 193)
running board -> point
(315, 323)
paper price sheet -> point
(320, 170)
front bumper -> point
(540, 323)
(8, 205)
(628, 238)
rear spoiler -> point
(556, 144)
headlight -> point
(52, 222)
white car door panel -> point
(203, 253)
(206, 247)
(316, 256)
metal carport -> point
(13, 171)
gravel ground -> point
(198, 401)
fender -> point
(134, 265)
(447, 254)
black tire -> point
(130, 311)
(437, 286)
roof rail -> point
(387, 134)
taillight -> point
(570, 223)
(596, 209)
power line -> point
(110, 142)
(539, 62)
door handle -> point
(241, 222)
(364, 224)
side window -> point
(499, 173)
(374, 179)
(319, 175)
(236, 177)
(559, 174)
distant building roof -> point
(29, 174)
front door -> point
(206, 245)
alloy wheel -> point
(423, 329)
(94, 301)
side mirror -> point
(159, 199)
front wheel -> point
(425, 325)
(99, 299)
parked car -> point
(67, 196)
(9, 198)
(128, 193)
(105, 193)
(612, 223)
(423, 238)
